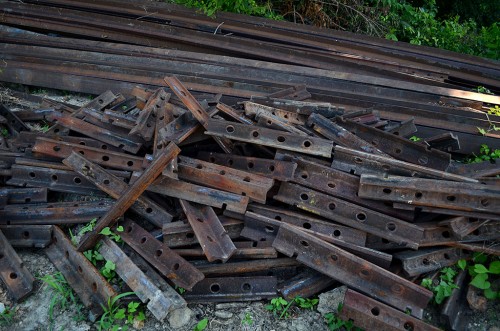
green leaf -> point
(110, 265)
(479, 257)
(120, 314)
(132, 307)
(480, 269)
(141, 316)
(201, 325)
(119, 228)
(490, 294)
(106, 231)
(481, 131)
(481, 281)
(462, 264)
(494, 268)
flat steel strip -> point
(159, 302)
(369, 314)
(361, 218)
(81, 275)
(130, 196)
(427, 260)
(166, 261)
(113, 186)
(13, 121)
(199, 194)
(213, 238)
(352, 161)
(225, 178)
(102, 157)
(254, 109)
(226, 289)
(13, 273)
(276, 169)
(15, 195)
(431, 193)
(271, 138)
(352, 270)
(37, 236)
(305, 285)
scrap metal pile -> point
(283, 169)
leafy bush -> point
(249, 7)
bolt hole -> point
(336, 233)
(230, 129)
(451, 198)
(281, 139)
(387, 190)
(304, 243)
(375, 311)
(391, 226)
(215, 288)
(361, 216)
(304, 196)
(306, 225)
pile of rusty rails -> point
(244, 159)
(271, 196)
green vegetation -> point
(247, 320)
(445, 284)
(280, 307)
(202, 325)
(116, 317)
(415, 138)
(485, 154)
(482, 275)
(334, 322)
(6, 316)
(62, 295)
(179, 289)
(4, 132)
(494, 111)
(464, 27)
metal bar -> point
(145, 122)
(103, 157)
(229, 111)
(196, 109)
(13, 121)
(38, 236)
(271, 138)
(24, 195)
(214, 239)
(81, 275)
(444, 211)
(356, 162)
(275, 169)
(446, 142)
(430, 192)
(276, 123)
(299, 107)
(364, 219)
(404, 129)
(199, 194)
(239, 253)
(159, 302)
(166, 261)
(427, 260)
(53, 213)
(455, 308)
(339, 135)
(305, 285)
(113, 186)
(96, 132)
(130, 196)
(255, 109)
(14, 275)
(236, 268)
(227, 289)
(181, 234)
(398, 147)
(352, 270)
(225, 178)
(370, 314)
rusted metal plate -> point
(167, 262)
(130, 195)
(398, 147)
(300, 107)
(113, 186)
(254, 109)
(403, 129)
(430, 259)
(455, 308)
(356, 162)
(103, 157)
(54, 179)
(274, 122)
(213, 238)
(81, 275)
(178, 234)
(146, 121)
(276, 169)
(447, 142)
(361, 218)
(271, 138)
(230, 289)
(305, 285)
(225, 178)
(94, 131)
(12, 120)
(351, 270)
(38, 236)
(23, 195)
(54, 213)
(229, 111)
(245, 267)
(159, 302)
(199, 194)
(370, 314)
(339, 135)
(14, 275)
(433, 193)
(239, 253)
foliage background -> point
(470, 27)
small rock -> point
(139, 324)
(223, 314)
(180, 317)
(494, 328)
(476, 301)
(329, 301)
(2, 307)
(230, 305)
